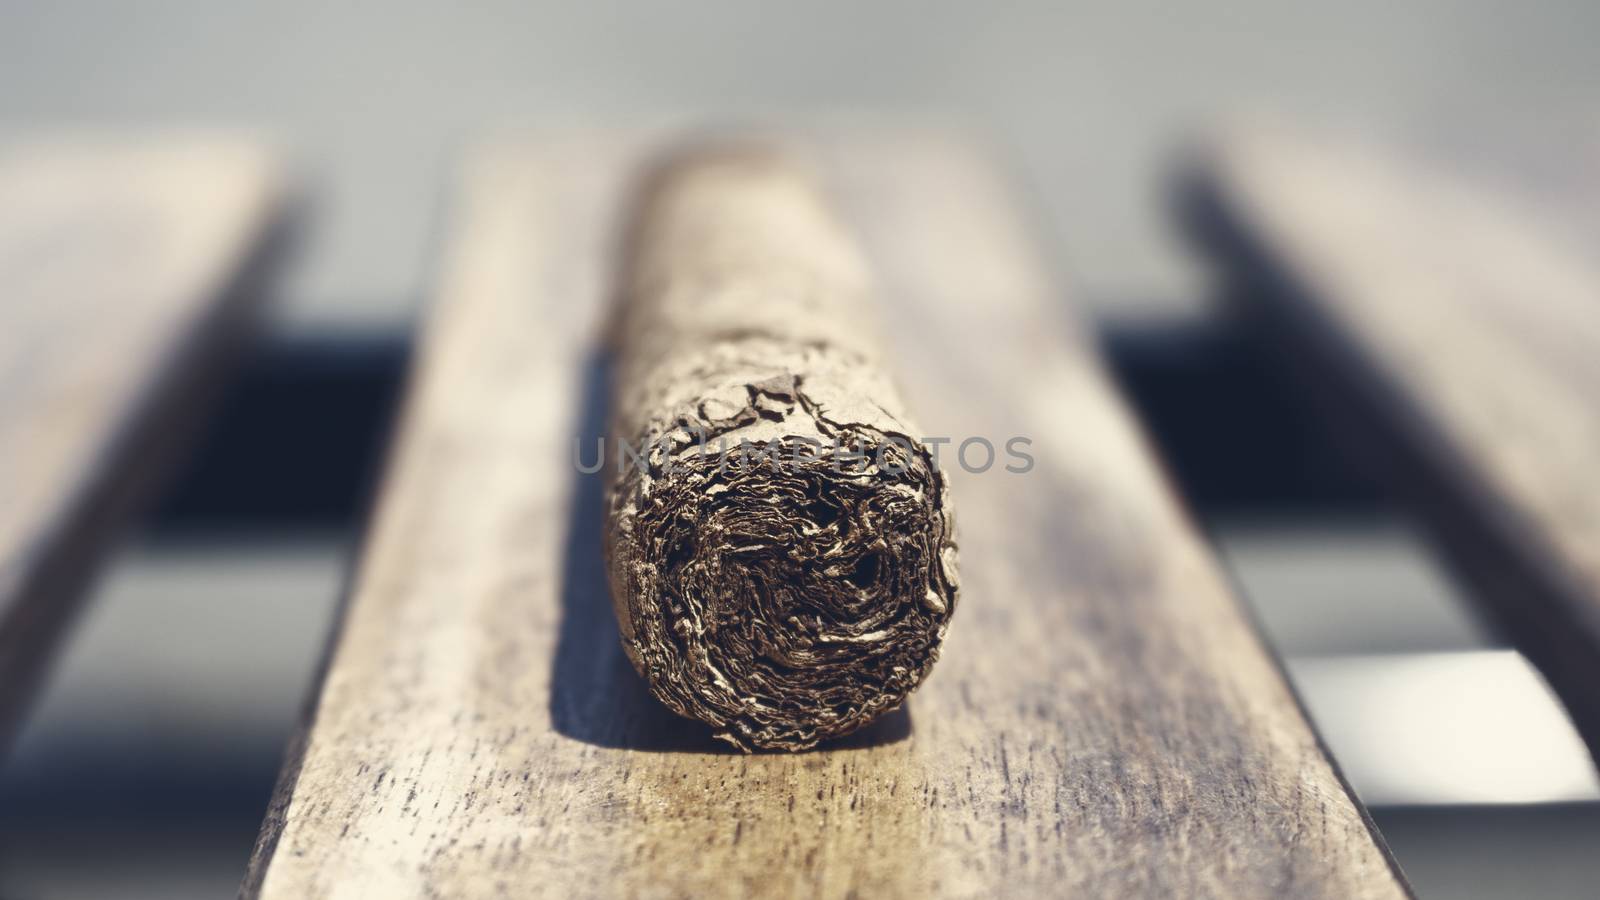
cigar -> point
(779, 541)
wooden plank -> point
(1454, 330)
(1103, 719)
(123, 267)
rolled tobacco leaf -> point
(781, 551)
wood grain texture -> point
(1454, 331)
(123, 274)
(1103, 721)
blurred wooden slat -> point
(122, 265)
(1454, 330)
(1103, 720)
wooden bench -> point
(1105, 719)
(1453, 333)
(128, 276)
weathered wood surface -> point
(1455, 328)
(122, 264)
(1103, 721)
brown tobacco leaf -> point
(783, 563)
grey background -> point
(1090, 100)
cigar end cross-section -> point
(779, 540)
